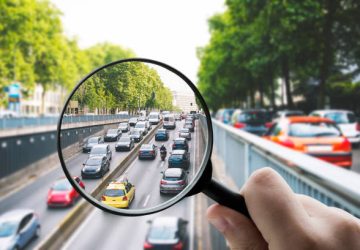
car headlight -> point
(67, 197)
(98, 169)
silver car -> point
(174, 180)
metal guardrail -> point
(21, 122)
(243, 153)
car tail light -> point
(268, 124)
(358, 126)
(182, 182)
(147, 245)
(178, 246)
(344, 146)
(173, 146)
(103, 198)
(287, 143)
(125, 198)
(163, 182)
(239, 125)
(152, 152)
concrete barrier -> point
(70, 223)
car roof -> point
(179, 139)
(178, 152)
(315, 119)
(100, 146)
(116, 185)
(165, 221)
(96, 157)
(161, 130)
(96, 137)
(146, 146)
(16, 214)
(141, 122)
(173, 172)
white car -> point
(345, 120)
(154, 118)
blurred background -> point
(284, 74)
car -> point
(162, 135)
(124, 127)
(167, 233)
(133, 121)
(89, 143)
(142, 126)
(185, 133)
(18, 227)
(147, 151)
(148, 125)
(169, 121)
(224, 115)
(62, 193)
(174, 180)
(180, 143)
(315, 136)
(119, 194)
(95, 167)
(112, 135)
(253, 121)
(286, 113)
(190, 125)
(177, 117)
(142, 118)
(126, 143)
(346, 121)
(101, 150)
(136, 135)
(195, 114)
(154, 118)
(179, 158)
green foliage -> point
(125, 86)
(253, 43)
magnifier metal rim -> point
(176, 198)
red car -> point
(62, 194)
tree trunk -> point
(327, 51)
(272, 88)
(261, 91)
(42, 108)
(286, 76)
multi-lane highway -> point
(113, 231)
(143, 174)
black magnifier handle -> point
(226, 197)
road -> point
(113, 231)
(34, 195)
(356, 160)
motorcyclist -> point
(163, 151)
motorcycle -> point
(163, 154)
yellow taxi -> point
(119, 194)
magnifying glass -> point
(135, 137)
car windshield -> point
(184, 131)
(140, 125)
(162, 233)
(114, 192)
(153, 116)
(135, 132)
(341, 117)
(322, 129)
(62, 185)
(176, 157)
(168, 119)
(93, 161)
(112, 131)
(98, 151)
(124, 139)
(179, 142)
(8, 228)
(290, 114)
(255, 117)
(171, 178)
(146, 147)
(93, 140)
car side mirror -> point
(161, 172)
(83, 164)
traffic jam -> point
(329, 135)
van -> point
(154, 118)
(169, 121)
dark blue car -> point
(179, 159)
(162, 135)
(180, 143)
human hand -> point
(282, 219)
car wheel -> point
(37, 232)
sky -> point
(165, 30)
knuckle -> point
(262, 177)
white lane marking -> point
(78, 231)
(146, 200)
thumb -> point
(239, 231)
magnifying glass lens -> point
(134, 137)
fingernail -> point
(220, 223)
